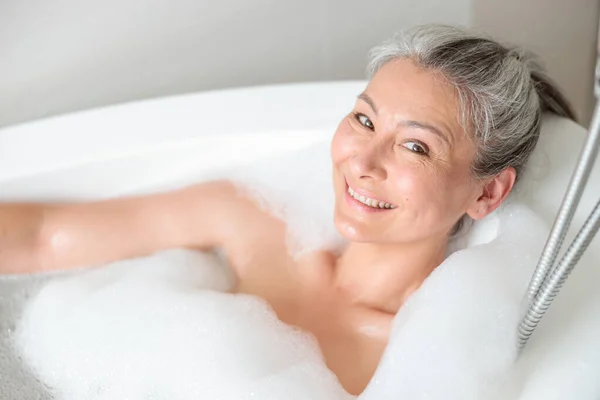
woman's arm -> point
(44, 237)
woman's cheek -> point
(415, 187)
(344, 142)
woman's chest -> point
(352, 339)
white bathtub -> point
(161, 143)
(127, 147)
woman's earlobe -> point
(483, 209)
(479, 210)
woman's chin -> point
(350, 231)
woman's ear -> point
(493, 193)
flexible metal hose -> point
(547, 280)
(558, 276)
(567, 208)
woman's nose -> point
(367, 163)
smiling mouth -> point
(367, 201)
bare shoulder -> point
(249, 234)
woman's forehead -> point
(403, 83)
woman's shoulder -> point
(252, 237)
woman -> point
(439, 136)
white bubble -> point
(145, 329)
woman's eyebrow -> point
(426, 127)
(365, 97)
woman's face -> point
(402, 150)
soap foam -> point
(157, 328)
(297, 188)
(160, 328)
(456, 337)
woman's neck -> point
(383, 276)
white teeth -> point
(370, 202)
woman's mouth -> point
(367, 203)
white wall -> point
(562, 32)
(64, 55)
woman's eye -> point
(364, 121)
(416, 147)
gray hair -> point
(503, 91)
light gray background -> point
(58, 56)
